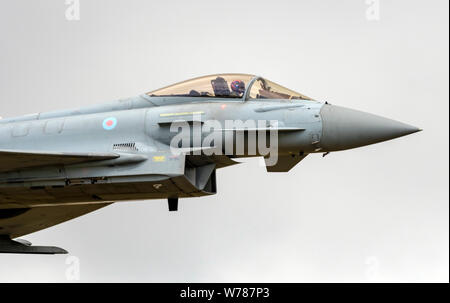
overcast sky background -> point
(378, 213)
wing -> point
(22, 221)
(284, 163)
(11, 160)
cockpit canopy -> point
(239, 86)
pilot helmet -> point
(238, 86)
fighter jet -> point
(165, 144)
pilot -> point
(237, 88)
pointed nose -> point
(344, 128)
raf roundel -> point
(109, 123)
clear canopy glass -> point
(219, 86)
(228, 86)
(265, 89)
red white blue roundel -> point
(110, 123)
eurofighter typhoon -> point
(165, 144)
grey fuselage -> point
(167, 144)
(145, 169)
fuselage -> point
(139, 122)
(166, 144)
(142, 127)
(161, 141)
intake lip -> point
(344, 128)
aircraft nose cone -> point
(344, 128)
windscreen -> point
(265, 89)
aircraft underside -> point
(29, 209)
(36, 196)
